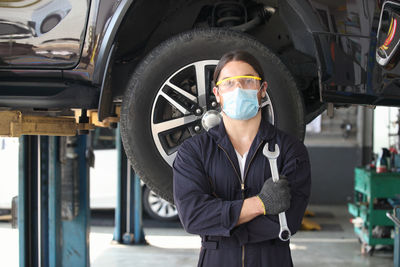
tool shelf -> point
(370, 189)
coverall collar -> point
(266, 132)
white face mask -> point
(241, 104)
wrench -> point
(284, 233)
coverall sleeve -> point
(261, 228)
(199, 211)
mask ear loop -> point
(219, 94)
(261, 86)
(259, 89)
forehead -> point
(236, 68)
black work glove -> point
(275, 196)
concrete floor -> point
(334, 245)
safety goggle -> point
(244, 80)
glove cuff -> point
(262, 203)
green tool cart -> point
(395, 217)
(371, 190)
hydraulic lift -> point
(53, 201)
(128, 212)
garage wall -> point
(332, 170)
(336, 146)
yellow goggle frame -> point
(235, 77)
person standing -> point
(222, 182)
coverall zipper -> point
(242, 182)
(248, 167)
(244, 179)
(242, 189)
(233, 165)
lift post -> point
(28, 202)
(53, 227)
(128, 212)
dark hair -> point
(238, 55)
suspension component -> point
(228, 14)
(236, 16)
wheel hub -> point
(210, 119)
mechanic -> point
(223, 188)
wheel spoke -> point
(174, 211)
(153, 199)
(171, 124)
(182, 92)
(168, 210)
(170, 158)
(162, 211)
(201, 83)
(156, 207)
(174, 103)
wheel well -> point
(149, 22)
(146, 24)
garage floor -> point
(334, 245)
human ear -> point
(216, 93)
(264, 87)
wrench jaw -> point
(284, 234)
(271, 154)
(272, 158)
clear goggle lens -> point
(246, 82)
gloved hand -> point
(275, 196)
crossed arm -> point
(202, 213)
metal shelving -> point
(371, 189)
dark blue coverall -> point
(209, 193)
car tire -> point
(158, 208)
(156, 116)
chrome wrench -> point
(284, 233)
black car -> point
(150, 63)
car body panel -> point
(85, 50)
(49, 33)
(104, 20)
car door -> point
(42, 33)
